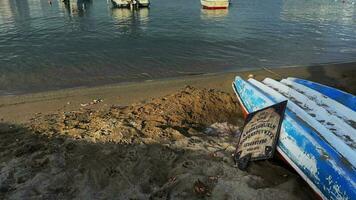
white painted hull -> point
(126, 3)
(215, 4)
(120, 3)
(144, 3)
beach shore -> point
(161, 139)
(20, 108)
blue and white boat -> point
(344, 98)
(318, 135)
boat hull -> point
(126, 4)
(120, 3)
(217, 4)
(345, 98)
(317, 162)
(144, 3)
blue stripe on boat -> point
(345, 98)
(314, 159)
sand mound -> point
(175, 147)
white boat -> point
(121, 3)
(215, 4)
(130, 3)
(143, 3)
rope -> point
(272, 72)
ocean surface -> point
(47, 46)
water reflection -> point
(121, 15)
(20, 9)
(206, 14)
(80, 41)
(319, 10)
(130, 17)
(5, 11)
(77, 7)
(17, 11)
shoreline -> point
(21, 108)
(183, 75)
(151, 140)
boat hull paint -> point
(144, 3)
(214, 8)
(344, 98)
(333, 107)
(335, 131)
(126, 4)
(215, 4)
(120, 3)
(320, 165)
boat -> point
(317, 136)
(143, 3)
(215, 4)
(130, 3)
(121, 3)
(345, 98)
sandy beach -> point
(159, 139)
(20, 108)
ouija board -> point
(260, 134)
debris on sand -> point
(201, 189)
(95, 101)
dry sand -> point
(177, 145)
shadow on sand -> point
(155, 150)
(34, 166)
(335, 75)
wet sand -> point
(153, 140)
(20, 108)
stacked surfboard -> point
(318, 133)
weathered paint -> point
(301, 145)
(333, 107)
(244, 110)
(344, 98)
(335, 125)
(333, 140)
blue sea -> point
(47, 46)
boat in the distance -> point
(144, 3)
(130, 3)
(215, 4)
(121, 3)
(318, 133)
